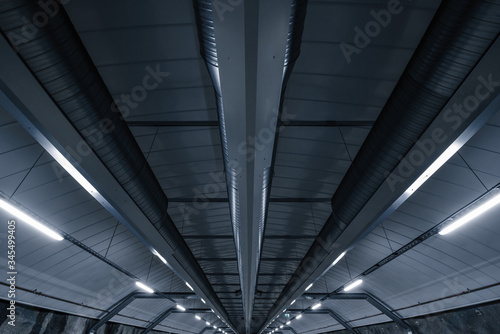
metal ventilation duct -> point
(249, 182)
(459, 35)
(60, 62)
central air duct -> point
(459, 35)
(249, 182)
(58, 59)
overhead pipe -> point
(209, 52)
(459, 35)
(57, 57)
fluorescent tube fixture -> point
(471, 215)
(207, 323)
(309, 286)
(281, 326)
(440, 161)
(189, 286)
(180, 307)
(29, 220)
(293, 302)
(288, 322)
(339, 258)
(73, 172)
(197, 317)
(203, 300)
(353, 285)
(144, 287)
(155, 252)
(316, 306)
(299, 316)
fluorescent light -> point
(207, 323)
(29, 220)
(288, 322)
(441, 160)
(144, 287)
(159, 256)
(189, 286)
(180, 307)
(471, 215)
(197, 317)
(309, 286)
(353, 285)
(73, 172)
(318, 305)
(339, 258)
(293, 302)
(281, 326)
(299, 316)
(212, 310)
(214, 326)
(203, 300)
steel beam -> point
(253, 42)
(205, 329)
(159, 319)
(370, 299)
(282, 124)
(335, 316)
(124, 302)
(114, 311)
(273, 200)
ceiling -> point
(149, 58)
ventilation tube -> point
(54, 53)
(458, 36)
(204, 19)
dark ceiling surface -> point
(329, 106)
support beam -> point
(124, 302)
(335, 316)
(370, 299)
(159, 319)
(270, 237)
(114, 311)
(282, 124)
(273, 200)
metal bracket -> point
(124, 302)
(370, 299)
(335, 316)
